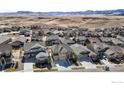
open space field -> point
(87, 21)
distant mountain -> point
(107, 12)
(112, 12)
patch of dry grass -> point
(89, 21)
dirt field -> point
(89, 21)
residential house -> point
(120, 37)
(97, 47)
(52, 40)
(5, 40)
(117, 42)
(81, 40)
(106, 40)
(5, 56)
(115, 54)
(83, 53)
(43, 60)
(63, 55)
(68, 41)
(32, 49)
(27, 33)
(17, 48)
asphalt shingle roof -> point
(77, 48)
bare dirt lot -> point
(87, 21)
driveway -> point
(28, 67)
(63, 65)
(87, 63)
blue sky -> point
(59, 5)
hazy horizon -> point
(59, 5)
(55, 11)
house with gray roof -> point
(31, 49)
(96, 46)
(5, 52)
(63, 55)
(5, 39)
(115, 54)
(17, 44)
(52, 40)
(61, 51)
(57, 32)
(80, 49)
(7, 29)
(117, 42)
(81, 40)
(106, 40)
(22, 38)
(25, 32)
(43, 60)
(71, 33)
(68, 41)
(120, 37)
(5, 56)
(37, 38)
(94, 34)
(83, 53)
